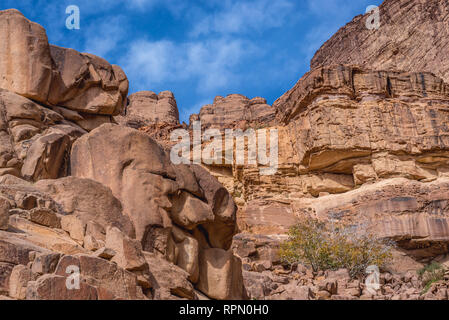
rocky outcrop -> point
(147, 108)
(412, 37)
(235, 109)
(131, 223)
(177, 211)
(57, 76)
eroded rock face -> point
(412, 37)
(147, 108)
(234, 109)
(176, 211)
(350, 126)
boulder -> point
(169, 281)
(110, 281)
(128, 252)
(89, 202)
(26, 69)
(221, 275)
(226, 112)
(87, 83)
(57, 76)
(53, 287)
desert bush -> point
(329, 248)
(430, 274)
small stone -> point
(45, 217)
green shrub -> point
(430, 274)
(313, 243)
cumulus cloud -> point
(209, 65)
(104, 36)
(244, 16)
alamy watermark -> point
(73, 280)
(73, 20)
(373, 20)
(372, 281)
(210, 148)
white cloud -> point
(244, 16)
(104, 35)
(209, 64)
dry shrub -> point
(329, 248)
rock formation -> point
(412, 37)
(363, 139)
(234, 109)
(120, 215)
(146, 108)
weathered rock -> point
(133, 166)
(220, 275)
(168, 280)
(140, 174)
(411, 37)
(414, 214)
(57, 76)
(53, 287)
(223, 207)
(187, 253)
(74, 226)
(147, 107)
(105, 253)
(87, 201)
(45, 263)
(5, 273)
(110, 281)
(46, 157)
(26, 69)
(20, 276)
(34, 142)
(5, 206)
(45, 217)
(227, 112)
(189, 212)
(128, 251)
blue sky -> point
(199, 49)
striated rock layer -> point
(413, 36)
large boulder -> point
(88, 200)
(26, 65)
(87, 83)
(221, 275)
